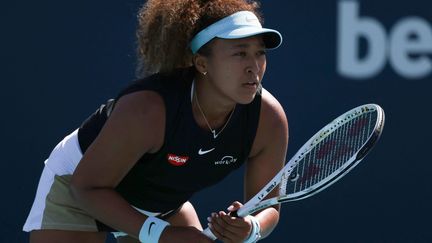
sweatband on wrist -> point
(152, 229)
(255, 234)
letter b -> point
(351, 27)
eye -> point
(261, 53)
(240, 54)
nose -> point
(254, 66)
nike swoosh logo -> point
(250, 19)
(151, 224)
(201, 152)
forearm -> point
(268, 219)
(107, 206)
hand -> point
(183, 234)
(230, 229)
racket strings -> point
(332, 153)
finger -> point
(226, 231)
(222, 232)
(234, 206)
(234, 221)
(231, 228)
(216, 229)
(238, 228)
(213, 225)
(221, 224)
(230, 221)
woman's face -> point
(236, 67)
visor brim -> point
(272, 38)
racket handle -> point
(233, 214)
(209, 234)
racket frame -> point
(257, 203)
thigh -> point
(186, 216)
(65, 236)
(55, 209)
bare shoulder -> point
(135, 127)
(140, 104)
(142, 114)
(272, 111)
(269, 148)
(273, 123)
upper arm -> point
(135, 126)
(269, 148)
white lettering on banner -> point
(402, 47)
(350, 29)
(407, 47)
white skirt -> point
(54, 207)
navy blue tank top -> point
(190, 158)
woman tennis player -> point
(198, 113)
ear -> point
(200, 63)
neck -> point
(214, 109)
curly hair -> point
(166, 27)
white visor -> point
(238, 25)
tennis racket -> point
(325, 158)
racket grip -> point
(209, 234)
(233, 214)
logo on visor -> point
(251, 19)
(151, 224)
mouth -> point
(251, 84)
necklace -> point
(213, 131)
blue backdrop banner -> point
(62, 59)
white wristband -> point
(152, 229)
(255, 234)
